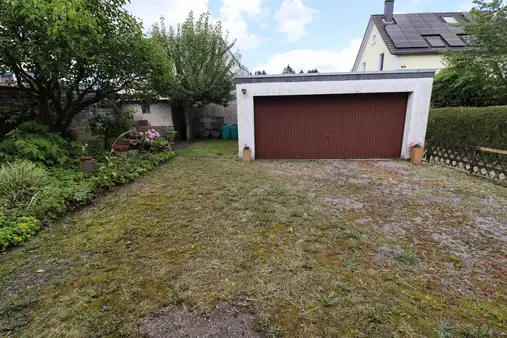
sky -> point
(307, 34)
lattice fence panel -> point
(484, 162)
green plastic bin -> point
(234, 132)
(226, 132)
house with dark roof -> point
(7, 79)
(409, 41)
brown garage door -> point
(330, 126)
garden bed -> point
(41, 180)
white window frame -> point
(364, 66)
(374, 39)
(450, 20)
(381, 61)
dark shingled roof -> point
(381, 26)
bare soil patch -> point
(177, 321)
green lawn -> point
(211, 149)
(313, 249)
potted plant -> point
(247, 153)
(121, 145)
(416, 152)
(86, 163)
(170, 135)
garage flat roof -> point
(312, 77)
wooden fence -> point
(485, 162)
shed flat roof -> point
(312, 77)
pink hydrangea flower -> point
(153, 134)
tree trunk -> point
(45, 114)
(188, 121)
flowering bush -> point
(246, 147)
(152, 134)
(415, 145)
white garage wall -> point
(417, 83)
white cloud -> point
(292, 18)
(234, 9)
(324, 61)
(174, 12)
(232, 15)
(238, 29)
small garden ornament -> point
(247, 153)
(86, 163)
(416, 152)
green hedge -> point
(486, 127)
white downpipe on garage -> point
(417, 83)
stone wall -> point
(231, 113)
(207, 121)
(160, 115)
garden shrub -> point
(21, 181)
(486, 127)
(14, 231)
(126, 168)
(34, 142)
(110, 125)
(31, 195)
(95, 148)
(66, 189)
(160, 144)
(455, 88)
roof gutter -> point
(353, 76)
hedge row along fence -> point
(485, 127)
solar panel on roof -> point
(419, 23)
(414, 30)
(419, 43)
(425, 31)
(402, 44)
(436, 41)
(416, 40)
(399, 39)
(456, 30)
(455, 42)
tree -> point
(260, 72)
(288, 70)
(71, 54)
(486, 60)
(454, 88)
(301, 71)
(313, 70)
(203, 60)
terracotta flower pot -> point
(416, 155)
(247, 155)
(121, 147)
(171, 145)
